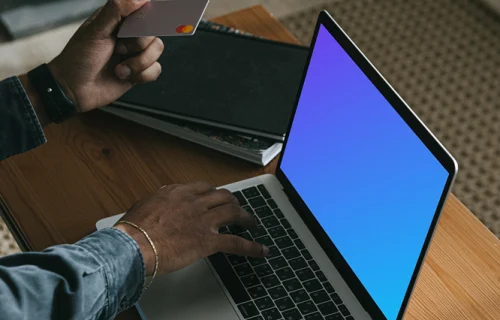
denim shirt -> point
(96, 278)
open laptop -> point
(348, 227)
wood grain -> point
(97, 165)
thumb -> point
(109, 18)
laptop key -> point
(327, 308)
(299, 244)
(307, 307)
(312, 285)
(290, 253)
(328, 287)
(273, 252)
(263, 270)
(241, 199)
(265, 240)
(335, 297)
(277, 232)
(321, 276)
(278, 263)
(284, 304)
(257, 292)
(272, 204)
(264, 303)
(250, 192)
(264, 191)
(258, 231)
(257, 202)
(250, 281)
(292, 285)
(349, 318)
(343, 309)
(306, 254)
(277, 292)
(299, 296)
(335, 316)
(292, 234)
(248, 309)
(285, 274)
(243, 270)
(229, 278)
(285, 223)
(313, 265)
(284, 242)
(279, 213)
(236, 260)
(270, 222)
(270, 281)
(313, 316)
(256, 261)
(305, 274)
(297, 263)
(263, 212)
(257, 318)
(320, 296)
(272, 314)
(292, 314)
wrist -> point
(35, 100)
(63, 84)
(146, 249)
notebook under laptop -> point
(348, 227)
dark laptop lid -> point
(364, 172)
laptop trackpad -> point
(191, 293)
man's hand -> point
(93, 70)
(183, 223)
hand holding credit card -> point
(164, 18)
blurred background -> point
(442, 56)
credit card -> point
(162, 18)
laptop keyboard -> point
(287, 284)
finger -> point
(230, 214)
(149, 75)
(239, 246)
(217, 198)
(136, 65)
(133, 45)
(108, 19)
(199, 187)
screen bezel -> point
(441, 154)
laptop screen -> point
(368, 179)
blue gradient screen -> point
(368, 179)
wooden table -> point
(97, 165)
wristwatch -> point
(57, 106)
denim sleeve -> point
(96, 278)
(20, 130)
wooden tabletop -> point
(97, 165)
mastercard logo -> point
(184, 29)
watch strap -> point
(57, 106)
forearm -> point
(94, 279)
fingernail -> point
(121, 49)
(123, 72)
(265, 250)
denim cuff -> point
(124, 267)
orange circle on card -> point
(184, 29)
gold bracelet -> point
(150, 242)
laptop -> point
(348, 227)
